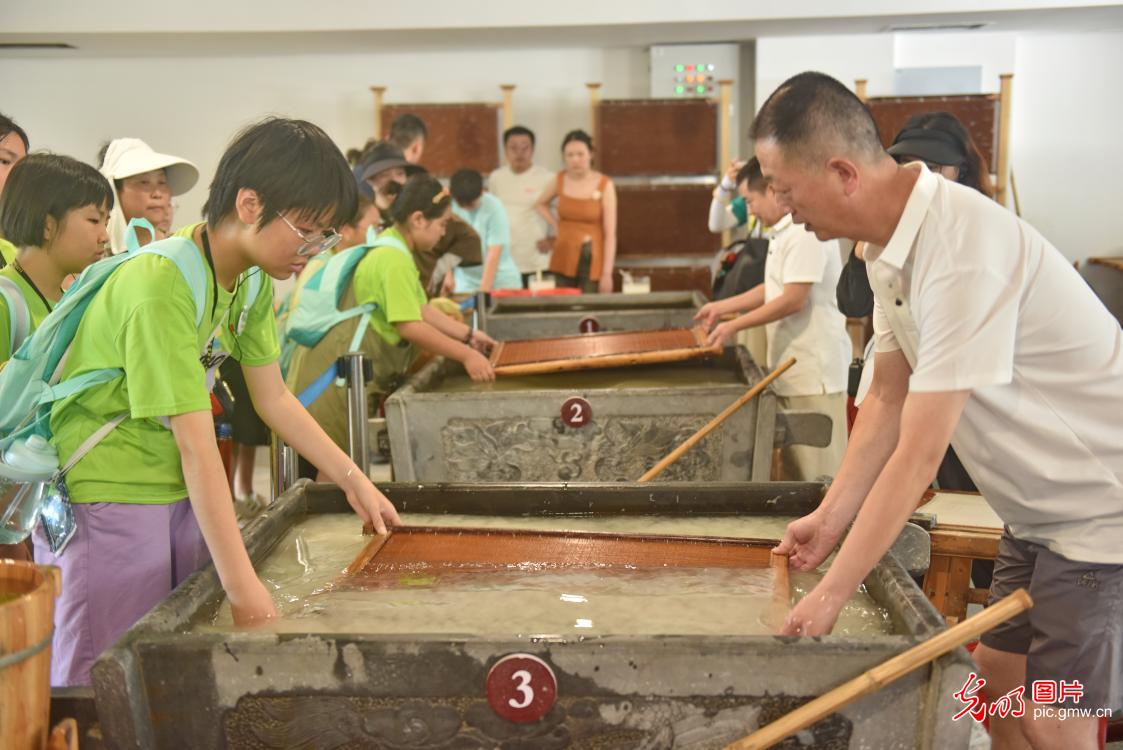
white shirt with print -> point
(519, 192)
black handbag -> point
(741, 267)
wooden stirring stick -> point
(693, 440)
(878, 677)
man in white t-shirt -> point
(986, 337)
(518, 185)
(798, 308)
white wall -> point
(1065, 142)
(1067, 151)
(72, 107)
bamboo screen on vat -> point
(461, 136)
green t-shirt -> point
(143, 321)
(37, 311)
(389, 278)
(7, 252)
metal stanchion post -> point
(357, 369)
(282, 467)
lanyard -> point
(214, 274)
(23, 273)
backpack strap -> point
(186, 256)
(132, 242)
(18, 312)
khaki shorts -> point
(1075, 629)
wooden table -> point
(966, 529)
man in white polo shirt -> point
(518, 184)
(798, 307)
(987, 337)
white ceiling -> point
(130, 28)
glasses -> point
(328, 239)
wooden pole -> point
(860, 88)
(378, 92)
(1014, 194)
(725, 87)
(594, 100)
(885, 673)
(508, 107)
(714, 423)
(1005, 94)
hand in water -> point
(815, 614)
(253, 605)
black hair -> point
(8, 125)
(577, 135)
(422, 192)
(406, 129)
(752, 175)
(810, 108)
(466, 185)
(42, 185)
(292, 165)
(514, 130)
(746, 170)
(973, 171)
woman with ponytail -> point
(403, 321)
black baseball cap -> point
(929, 145)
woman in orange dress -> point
(584, 247)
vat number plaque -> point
(576, 412)
(588, 325)
(521, 688)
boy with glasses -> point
(151, 500)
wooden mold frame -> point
(618, 349)
(452, 551)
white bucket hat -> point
(125, 157)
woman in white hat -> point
(145, 182)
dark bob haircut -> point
(48, 185)
(292, 165)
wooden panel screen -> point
(656, 137)
(671, 278)
(597, 350)
(460, 135)
(664, 220)
(977, 112)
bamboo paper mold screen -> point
(595, 350)
(455, 551)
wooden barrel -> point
(27, 608)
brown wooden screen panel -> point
(460, 135)
(597, 350)
(664, 220)
(977, 112)
(670, 278)
(407, 547)
(656, 137)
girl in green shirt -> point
(151, 500)
(403, 320)
(54, 210)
